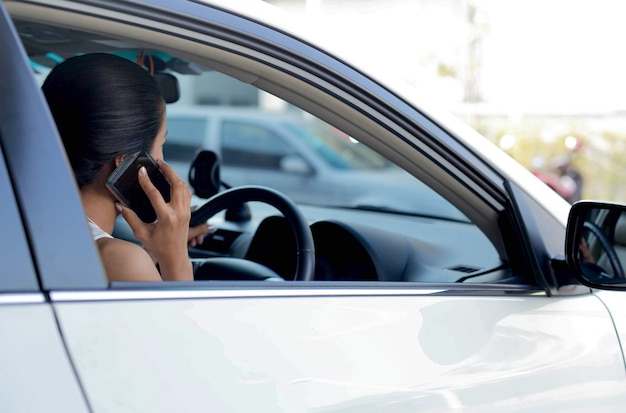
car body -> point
(397, 311)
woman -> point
(106, 108)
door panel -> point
(345, 353)
(614, 300)
(36, 373)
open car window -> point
(391, 226)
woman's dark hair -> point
(104, 106)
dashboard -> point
(353, 246)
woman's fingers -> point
(153, 194)
(134, 222)
(180, 195)
(197, 233)
(200, 230)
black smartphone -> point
(125, 186)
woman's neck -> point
(99, 206)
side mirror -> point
(595, 246)
(295, 164)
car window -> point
(334, 147)
(185, 137)
(391, 225)
(251, 145)
(365, 186)
(47, 199)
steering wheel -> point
(607, 246)
(305, 250)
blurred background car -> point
(301, 156)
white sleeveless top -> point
(96, 231)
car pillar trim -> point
(112, 295)
(21, 298)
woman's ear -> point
(119, 160)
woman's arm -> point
(166, 239)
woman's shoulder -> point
(126, 261)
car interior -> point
(261, 228)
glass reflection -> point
(602, 245)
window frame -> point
(46, 192)
(471, 181)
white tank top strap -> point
(97, 232)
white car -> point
(309, 307)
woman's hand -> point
(585, 252)
(197, 233)
(166, 239)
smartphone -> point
(124, 185)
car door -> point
(311, 346)
(256, 151)
(37, 374)
(306, 349)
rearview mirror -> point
(168, 84)
(596, 244)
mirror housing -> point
(204, 174)
(168, 84)
(595, 245)
(296, 165)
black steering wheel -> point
(607, 246)
(305, 258)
